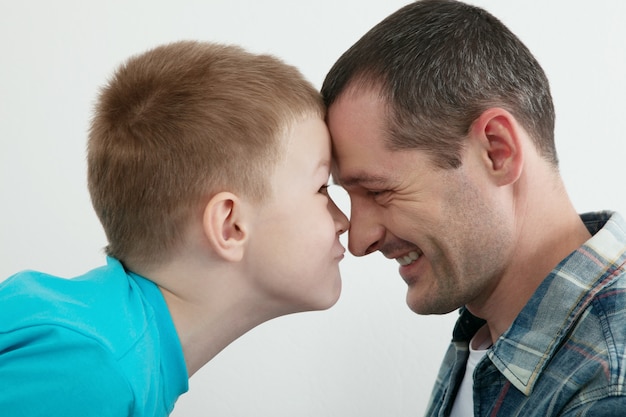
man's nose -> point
(366, 232)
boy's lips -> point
(341, 252)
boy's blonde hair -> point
(179, 123)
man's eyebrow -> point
(361, 180)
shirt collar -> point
(524, 350)
(173, 366)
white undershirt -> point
(464, 401)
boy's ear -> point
(498, 136)
(224, 226)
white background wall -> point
(369, 356)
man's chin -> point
(426, 306)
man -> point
(443, 133)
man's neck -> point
(544, 240)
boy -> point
(207, 167)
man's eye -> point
(323, 189)
(379, 196)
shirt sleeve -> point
(52, 370)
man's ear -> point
(500, 144)
(224, 226)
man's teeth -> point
(408, 259)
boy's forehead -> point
(309, 135)
(293, 124)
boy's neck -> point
(209, 310)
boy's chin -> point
(322, 301)
(332, 297)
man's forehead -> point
(358, 94)
(358, 173)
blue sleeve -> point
(54, 371)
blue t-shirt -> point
(102, 344)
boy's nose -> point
(342, 224)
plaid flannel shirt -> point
(565, 353)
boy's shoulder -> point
(97, 304)
(103, 324)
